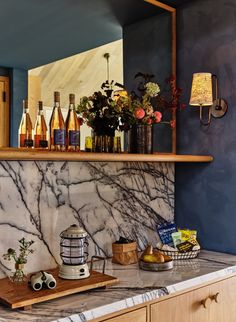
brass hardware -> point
(206, 303)
(215, 297)
(205, 94)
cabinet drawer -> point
(185, 308)
(219, 299)
(139, 315)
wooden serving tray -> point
(22, 295)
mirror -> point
(137, 57)
(81, 74)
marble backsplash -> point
(40, 199)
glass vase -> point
(103, 143)
(19, 274)
(140, 139)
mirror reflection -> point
(81, 74)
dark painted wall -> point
(4, 71)
(206, 193)
(18, 92)
(147, 49)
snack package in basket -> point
(164, 231)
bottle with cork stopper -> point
(40, 129)
(57, 126)
(25, 128)
(72, 127)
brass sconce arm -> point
(205, 94)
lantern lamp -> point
(74, 253)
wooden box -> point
(124, 254)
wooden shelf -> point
(38, 155)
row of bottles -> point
(63, 135)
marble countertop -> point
(135, 287)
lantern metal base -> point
(74, 272)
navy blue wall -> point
(19, 92)
(147, 49)
(4, 71)
(206, 193)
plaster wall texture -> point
(205, 193)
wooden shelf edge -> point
(13, 154)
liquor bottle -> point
(40, 129)
(72, 127)
(26, 129)
(57, 126)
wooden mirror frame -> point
(173, 55)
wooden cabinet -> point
(213, 303)
(223, 304)
(184, 308)
(139, 315)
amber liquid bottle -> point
(57, 126)
(25, 129)
(40, 129)
(72, 127)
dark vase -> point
(140, 139)
(102, 143)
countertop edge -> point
(130, 302)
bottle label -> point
(74, 138)
(43, 143)
(59, 137)
(28, 143)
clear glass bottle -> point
(40, 129)
(57, 126)
(72, 127)
(25, 129)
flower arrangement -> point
(20, 259)
(100, 110)
(149, 106)
(106, 112)
(139, 109)
(23, 254)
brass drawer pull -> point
(206, 303)
(216, 297)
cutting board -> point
(22, 295)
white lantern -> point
(74, 253)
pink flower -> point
(149, 121)
(139, 113)
(158, 116)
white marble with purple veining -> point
(135, 287)
(40, 199)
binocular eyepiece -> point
(37, 280)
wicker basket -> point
(178, 255)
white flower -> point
(152, 89)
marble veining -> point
(40, 199)
(135, 287)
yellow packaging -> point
(187, 234)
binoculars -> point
(41, 278)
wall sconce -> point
(205, 93)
